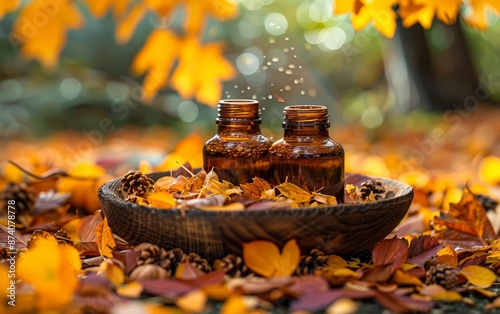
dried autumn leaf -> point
(390, 251)
(423, 11)
(256, 188)
(113, 271)
(105, 239)
(50, 200)
(162, 199)
(478, 15)
(447, 256)
(155, 59)
(402, 278)
(42, 28)
(447, 296)
(131, 289)
(379, 12)
(55, 275)
(478, 276)
(98, 8)
(264, 258)
(211, 68)
(293, 192)
(8, 6)
(192, 302)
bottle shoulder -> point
(287, 147)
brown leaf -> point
(313, 302)
(402, 304)
(105, 239)
(166, 287)
(8, 234)
(422, 244)
(255, 189)
(379, 273)
(390, 251)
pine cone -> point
(310, 263)
(443, 275)
(233, 265)
(487, 202)
(136, 183)
(151, 254)
(22, 194)
(138, 200)
(62, 237)
(374, 186)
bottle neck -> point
(238, 116)
(306, 121)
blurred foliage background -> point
(284, 52)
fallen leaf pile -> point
(445, 254)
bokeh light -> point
(188, 111)
(247, 63)
(70, 88)
(276, 24)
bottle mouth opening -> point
(305, 116)
(239, 111)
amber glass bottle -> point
(238, 152)
(306, 155)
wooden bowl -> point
(341, 229)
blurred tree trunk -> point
(437, 72)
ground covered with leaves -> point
(59, 254)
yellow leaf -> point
(478, 16)
(447, 296)
(104, 239)
(263, 257)
(42, 27)
(161, 199)
(190, 150)
(335, 261)
(161, 7)
(211, 69)
(231, 206)
(379, 12)
(98, 8)
(113, 272)
(478, 276)
(155, 59)
(52, 270)
(293, 192)
(192, 302)
(489, 170)
(448, 256)
(126, 26)
(343, 306)
(234, 304)
(131, 289)
(402, 278)
(8, 6)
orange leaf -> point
(155, 59)
(234, 304)
(113, 272)
(478, 18)
(447, 256)
(211, 69)
(197, 11)
(478, 276)
(161, 7)
(131, 289)
(263, 257)
(290, 258)
(127, 25)
(447, 296)
(104, 239)
(423, 11)
(346, 6)
(192, 302)
(161, 199)
(255, 189)
(402, 278)
(489, 168)
(8, 6)
(41, 29)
